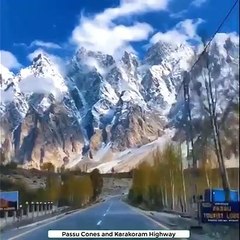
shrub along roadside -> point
(66, 189)
(164, 184)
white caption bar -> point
(119, 234)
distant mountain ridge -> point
(102, 102)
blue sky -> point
(59, 27)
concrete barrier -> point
(28, 214)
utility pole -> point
(218, 146)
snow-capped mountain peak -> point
(87, 60)
(130, 60)
(42, 77)
(107, 102)
(5, 75)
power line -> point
(186, 78)
(186, 81)
(209, 42)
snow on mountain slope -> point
(158, 92)
(223, 58)
(12, 101)
(220, 65)
(164, 64)
(6, 84)
(170, 55)
(5, 74)
(103, 108)
(41, 122)
(42, 77)
(131, 158)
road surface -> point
(113, 214)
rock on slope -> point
(104, 103)
(40, 123)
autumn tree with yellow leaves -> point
(160, 182)
(160, 185)
(76, 190)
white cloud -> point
(32, 84)
(100, 33)
(221, 38)
(92, 62)
(5, 72)
(8, 60)
(50, 45)
(50, 82)
(6, 96)
(179, 14)
(183, 32)
(107, 39)
(131, 7)
(198, 3)
(59, 63)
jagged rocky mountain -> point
(104, 103)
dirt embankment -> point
(115, 186)
(32, 179)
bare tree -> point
(190, 134)
(189, 131)
(211, 94)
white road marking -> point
(50, 222)
(99, 222)
(105, 213)
(109, 207)
(82, 210)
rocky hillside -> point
(221, 66)
(104, 103)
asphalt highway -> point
(113, 214)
